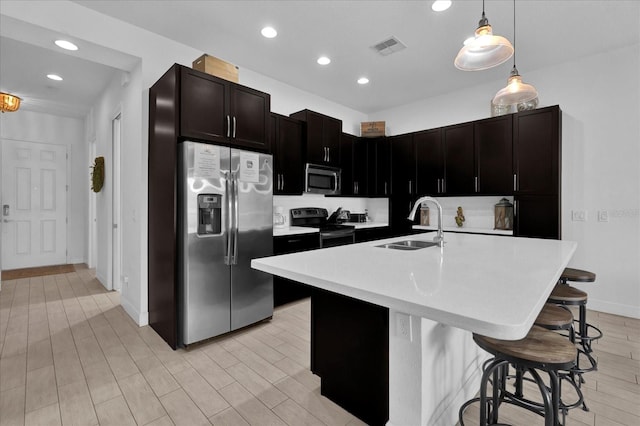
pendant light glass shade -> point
(9, 102)
(485, 50)
(516, 92)
(521, 95)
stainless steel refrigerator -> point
(225, 219)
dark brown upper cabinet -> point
(536, 151)
(379, 167)
(286, 137)
(459, 168)
(354, 162)
(494, 157)
(403, 182)
(220, 111)
(429, 162)
(322, 135)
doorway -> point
(34, 204)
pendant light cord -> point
(514, 33)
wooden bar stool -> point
(559, 318)
(566, 295)
(541, 350)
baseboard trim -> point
(141, 319)
(614, 308)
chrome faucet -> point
(439, 238)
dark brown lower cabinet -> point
(285, 290)
(537, 216)
(350, 353)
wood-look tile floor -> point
(69, 354)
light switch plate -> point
(603, 216)
(579, 215)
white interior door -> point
(34, 204)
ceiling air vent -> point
(389, 46)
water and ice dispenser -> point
(209, 214)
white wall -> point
(600, 99)
(29, 126)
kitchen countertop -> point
(465, 230)
(293, 230)
(486, 284)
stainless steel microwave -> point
(322, 179)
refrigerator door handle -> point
(228, 225)
(236, 213)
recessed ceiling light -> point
(269, 32)
(363, 80)
(440, 5)
(55, 77)
(66, 45)
(323, 60)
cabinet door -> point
(537, 216)
(249, 116)
(537, 151)
(346, 163)
(403, 166)
(430, 162)
(383, 167)
(331, 131)
(361, 154)
(289, 162)
(203, 106)
(493, 144)
(459, 159)
(403, 182)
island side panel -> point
(350, 353)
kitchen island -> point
(436, 297)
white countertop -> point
(465, 230)
(293, 230)
(486, 284)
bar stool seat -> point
(567, 294)
(542, 350)
(553, 317)
(577, 275)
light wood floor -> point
(69, 354)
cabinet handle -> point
(228, 126)
(324, 158)
(438, 185)
(385, 188)
(329, 154)
(409, 187)
(444, 185)
(355, 188)
(476, 183)
(234, 127)
(282, 184)
(515, 182)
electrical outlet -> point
(603, 216)
(125, 279)
(403, 326)
(579, 216)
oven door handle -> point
(336, 234)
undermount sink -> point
(408, 245)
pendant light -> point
(485, 50)
(523, 95)
(9, 102)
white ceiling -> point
(548, 32)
